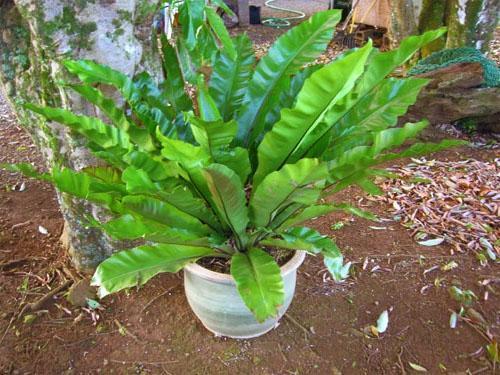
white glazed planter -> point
(215, 300)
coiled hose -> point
(279, 22)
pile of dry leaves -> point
(457, 203)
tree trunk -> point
(35, 35)
(470, 23)
(403, 21)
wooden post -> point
(243, 12)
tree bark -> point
(470, 23)
(35, 36)
(403, 20)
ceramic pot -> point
(215, 300)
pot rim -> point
(225, 278)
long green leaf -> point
(139, 136)
(191, 18)
(172, 191)
(173, 85)
(213, 135)
(294, 183)
(96, 131)
(315, 103)
(136, 266)
(164, 213)
(229, 197)
(26, 169)
(377, 111)
(299, 46)
(259, 282)
(229, 79)
(92, 72)
(130, 227)
(186, 154)
(237, 159)
(324, 209)
(380, 64)
(312, 241)
(83, 185)
(206, 104)
(156, 168)
(289, 97)
(220, 30)
(362, 157)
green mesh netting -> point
(447, 57)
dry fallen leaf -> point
(417, 367)
(43, 230)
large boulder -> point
(454, 93)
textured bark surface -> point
(454, 93)
(403, 20)
(35, 36)
(470, 23)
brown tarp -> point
(373, 12)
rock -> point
(455, 93)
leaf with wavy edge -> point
(362, 157)
(314, 105)
(229, 79)
(289, 97)
(206, 104)
(228, 197)
(213, 135)
(377, 111)
(310, 240)
(379, 65)
(96, 131)
(312, 212)
(220, 30)
(361, 172)
(191, 18)
(299, 46)
(130, 227)
(173, 191)
(259, 282)
(156, 168)
(139, 136)
(164, 213)
(294, 183)
(173, 85)
(237, 159)
(91, 72)
(136, 266)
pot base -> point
(215, 300)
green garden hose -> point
(278, 22)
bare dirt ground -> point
(326, 331)
(152, 330)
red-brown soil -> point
(159, 333)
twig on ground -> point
(34, 306)
(124, 331)
(16, 262)
(142, 362)
(304, 329)
(285, 359)
(400, 362)
(156, 298)
(20, 225)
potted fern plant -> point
(227, 175)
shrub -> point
(237, 167)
